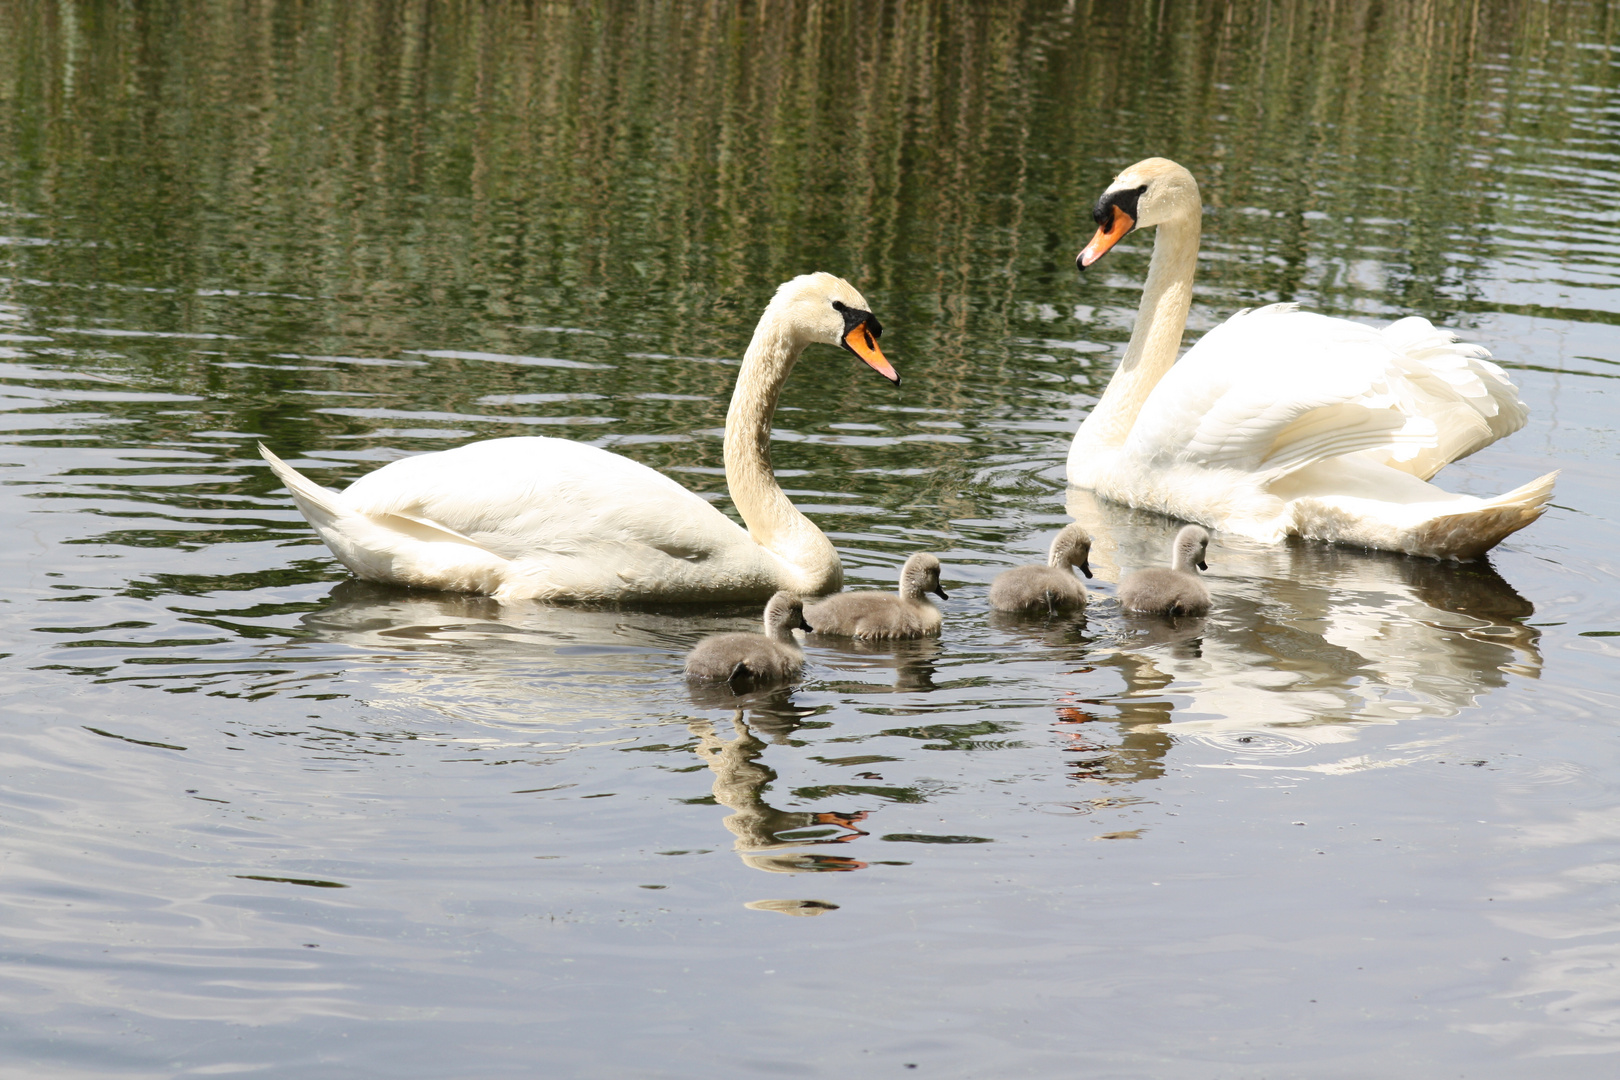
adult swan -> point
(1283, 422)
(549, 519)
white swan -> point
(548, 519)
(1282, 422)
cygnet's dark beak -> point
(1202, 565)
(1085, 567)
(939, 591)
(806, 627)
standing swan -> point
(548, 519)
(1176, 591)
(1282, 422)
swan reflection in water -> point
(1306, 641)
(523, 666)
(509, 665)
(762, 832)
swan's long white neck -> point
(771, 517)
(1156, 340)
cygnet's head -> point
(1149, 193)
(822, 308)
(1192, 542)
(1071, 547)
(784, 613)
(921, 575)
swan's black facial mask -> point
(861, 331)
(1115, 215)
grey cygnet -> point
(1050, 588)
(906, 614)
(771, 657)
(1176, 591)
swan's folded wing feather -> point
(1344, 427)
(529, 497)
(1471, 399)
(1273, 390)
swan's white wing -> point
(532, 497)
(1471, 400)
(1275, 389)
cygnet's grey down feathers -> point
(771, 657)
(1050, 588)
(906, 614)
(1176, 591)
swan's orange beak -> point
(860, 341)
(1106, 237)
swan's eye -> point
(1103, 213)
(854, 317)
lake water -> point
(1362, 821)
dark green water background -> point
(259, 819)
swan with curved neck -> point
(1281, 422)
(549, 519)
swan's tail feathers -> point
(1472, 533)
(320, 506)
(394, 547)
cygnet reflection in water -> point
(1182, 636)
(913, 662)
(869, 614)
(740, 779)
(792, 907)
(1313, 635)
(771, 711)
(1063, 637)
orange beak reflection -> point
(861, 342)
(1106, 237)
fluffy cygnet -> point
(907, 614)
(754, 658)
(1176, 591)
(1050, 588)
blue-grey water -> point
(259, 818)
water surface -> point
(1362, 820)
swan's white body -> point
(1281, 422)
(548, 519)
(535, 518)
